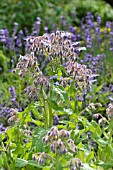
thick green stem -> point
(50, 111)
(58, 164)
(45, 114)
(47, 109)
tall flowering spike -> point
(95, 63)
(12, 93)
(36, 27)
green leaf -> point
(90, 157)
(53, 104)
(3, 61)
(86, 167)
(98, 88)
(94, 126)
(46, 168)
(37, 139)
(14, 133)
(59, 90)
(59, 73)
(19, 150)
(110, 124)
(72, 125)
(34, 164)
(2, 136)
(106, 165)
(102, 142)
(19, 163)
(37, 122)
(68, 111)
(72, 89)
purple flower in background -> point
(5, 38)
(89, 20)
(80, 98)
(108, 24)
(55, 120)
(111, 38)
(64, 22)
(2, 128)
(97, 30)
(2, 36)
(36, 27)
(88, 38)
(78, 36)
(99, 20)
(95, 63)
(12, 93)
(3, 111)
(73, 14)
(72, 29)
(46, 29)
(73, 38)
(15, 28)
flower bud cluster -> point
(42, 80)
(32, 92)
(96, 116)
(83, 77)
(92, 106)
(54, 45)
(109, 110)
(41, 159)
(75, 164)
(59, 141)
(72, 145)
(26, 63)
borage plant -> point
(56, 86)
(55, 80)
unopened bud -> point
(96, 116)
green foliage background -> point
(25, 12)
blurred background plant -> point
(25, 12)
